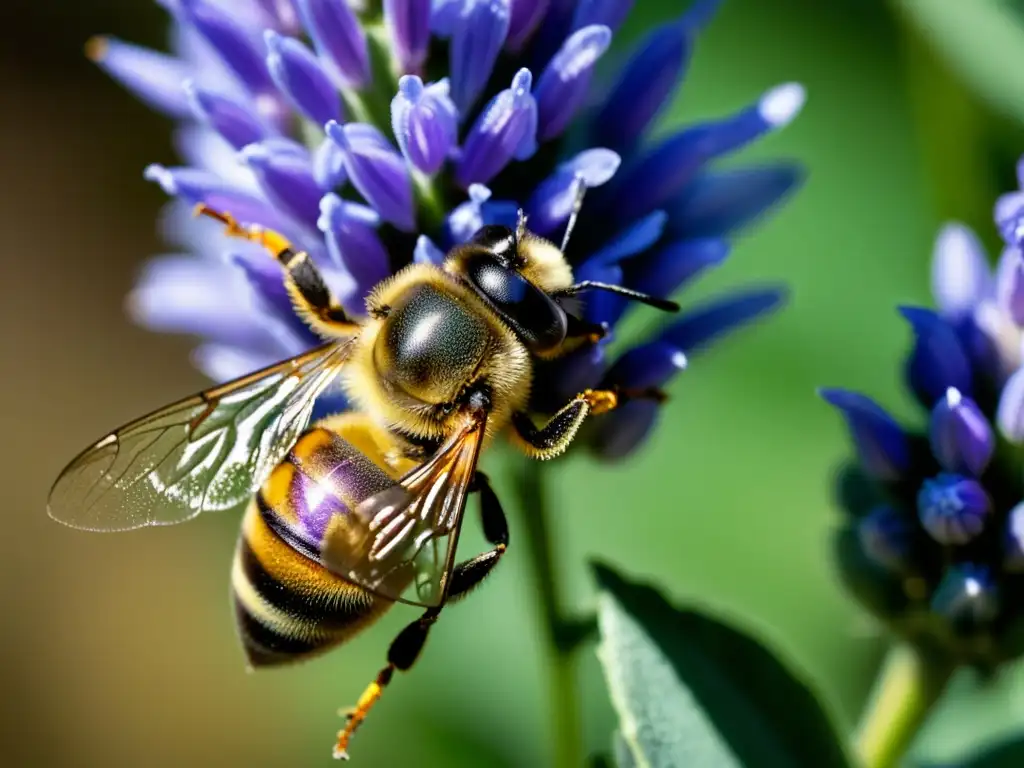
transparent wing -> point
(208, 452)
(400, 542)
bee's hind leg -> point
(310, 295)
(406, 647)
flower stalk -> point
(908, 687)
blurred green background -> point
(120, 650)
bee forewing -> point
(208, 452)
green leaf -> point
(1008, 754)
(982, 41)
(693, 691)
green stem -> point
(907, 689)
(562, 634)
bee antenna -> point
(577, 203)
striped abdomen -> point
(287, 604)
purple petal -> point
(286, 178)
(649, 79)
(377, 171)
(937, 360)
(197, 186)
(967, 596)
(221, 362)
(476, 42)
(651, 365)
(426, 252)
(961, 277)
(297, 73)
(466, 219)
(961, 437)
(661, 173)
(886, 536)
(233, 120)
(506, 129)
(281, 15)
(624, 430)
(1009, 217)
(563, 85)
(666, 270)
(1010, 285)
(699, 328)
(525, 16)
(610, 13)
(719, 202)
(408, 24)
(153, 78)
(339, 38)
(354, 247)
(1013, 540)
(329, 165)
(235, 44)
(551, 203)
(882, 446)
(953, 509)
(425, 122)
(1010, 413)
(634, 239)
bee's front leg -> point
(554, 437)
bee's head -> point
(517, 273)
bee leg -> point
(406, 647)
(467, 575)
(554, 437)
(313, 300)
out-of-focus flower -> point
(375, 138)
(934, 536)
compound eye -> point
(497, 240)
(534, 316)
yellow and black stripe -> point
(288, 606)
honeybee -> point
(363, 509)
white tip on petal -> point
(679, 360)
(953, 397)
(781, 104)
(161, 176)
(479, 193)
(961, 277)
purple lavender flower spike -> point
(339, 39)
(476, 42)
(625, 429)
(668, 268)
(154, 78)
(961, 437)
(937, 361)
(467, 218)
(882, 445)
(230, 118)
(952, 508)
(699, 327)
(286, 178)
(961, 277)
(525, 17)
(563, 84)
(408, 24)
(720, 202)
(425, 122)
(886, 536)
(377, 171)
(426, 252)
(551, 203)
(199, 186)
(299, 76)
(506, 129)
(647, 82)
(354, 246)
(1010, 413)
(329, 165)
(660, 174)
(235, 44)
